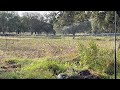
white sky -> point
(41, 12)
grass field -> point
(46, 57)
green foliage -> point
(88, 54)
(100, 21)
(29, 22)
(98, 60)
(36, 69)
(110, 68)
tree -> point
(109, 22)
(80, 16)
(9, 22)
(48, 28)
(36, 23)
(51, 17)
(103, 21)
(77, 28)
(77, 21)
(3, 21)
(94, 21)
(67, 18)
(15, 23)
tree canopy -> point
(77, 21)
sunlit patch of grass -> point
(42, 68)
(35, 69)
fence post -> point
(115, 73)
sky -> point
(41, 12)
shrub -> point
(88, 54)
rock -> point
(84, 73)
(62, 76)
(76, 77)
(91, 77)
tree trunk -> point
(73, 35)
(3, 32)
(17, 32)
(38, 33)
(31, 33)
(54, 33)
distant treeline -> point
(60, 22)
(30, 22)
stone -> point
(84, 73)
(62, 76)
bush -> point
(97, 59)
(88, 54)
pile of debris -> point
(85, 74)
(9, 66)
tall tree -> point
(3, 21)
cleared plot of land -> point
(47, 57)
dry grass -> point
(65, 49)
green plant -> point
(89, 54)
